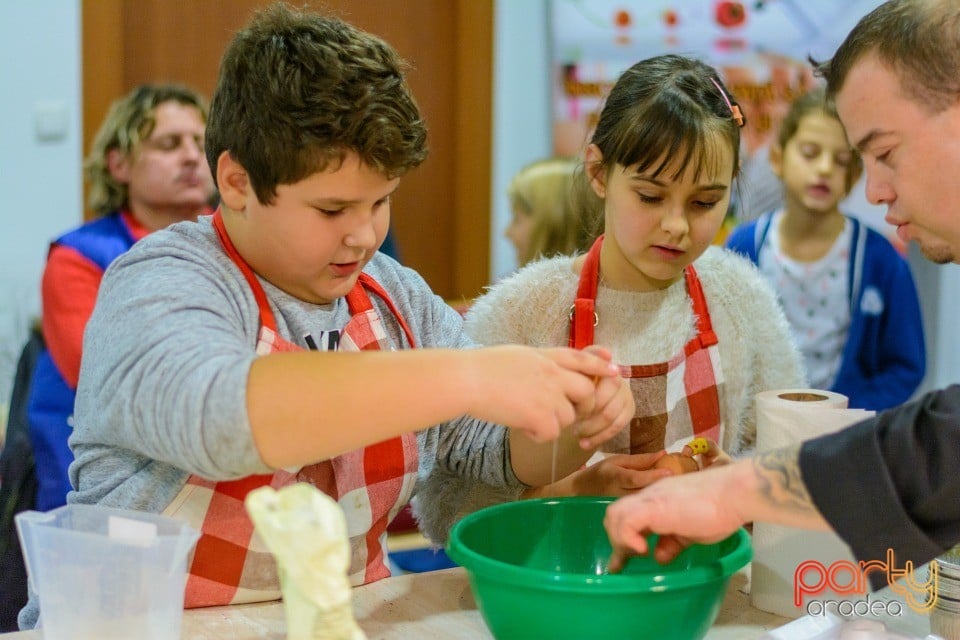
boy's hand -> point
(612, 409)
(539, 391)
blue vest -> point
(50, 404)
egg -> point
(677, 463)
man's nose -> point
(878, 190)
(192, 147)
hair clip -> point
(737, 114)
(734, 108)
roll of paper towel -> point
(786, 417)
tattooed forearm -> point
(780, 482)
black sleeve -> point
(892, 482)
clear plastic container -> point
(105, 573)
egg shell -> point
(677, 462)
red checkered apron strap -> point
(389, 468)
(268, 337)
(680, 397)
(702, 375)
(266, 315)
(227, 566)
(367, 281)
(583, 316)
(706, 337)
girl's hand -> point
(709, 452)
(616, 475)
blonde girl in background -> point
(846, 291)
(545, 221)
(544, 218)
(695, 329)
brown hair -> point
(661, 109)
(918, 39)
(129, 121)
(297, 91)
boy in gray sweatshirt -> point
(271, 343)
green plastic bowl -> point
(538, 569)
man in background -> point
(146, 171)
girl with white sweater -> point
(695, 329)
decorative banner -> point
(760, 49)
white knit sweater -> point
(532, 307)
(757, 351)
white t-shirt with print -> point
(815, 300)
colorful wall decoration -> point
(760, 49)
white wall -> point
(39, 174)
(939, 288)
(521, 110)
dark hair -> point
(298, 91)
(129, 121)
(815, 101)
(918, 39)
(662, 109)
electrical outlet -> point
(50, 120)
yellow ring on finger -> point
(698, 445)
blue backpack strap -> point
(858, 244)
(760, 234)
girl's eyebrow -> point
(645, 178)
(717, 186)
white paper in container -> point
(786, 417)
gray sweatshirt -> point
(163, 379)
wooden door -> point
(441, 213)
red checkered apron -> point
(231, 564)
(676, 400)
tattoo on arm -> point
(780, 482)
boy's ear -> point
(593, 167)
(119, 166)
(776, 160)
(232, 182)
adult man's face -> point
(167, 173)
(911, 156)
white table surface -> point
(439, 604)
